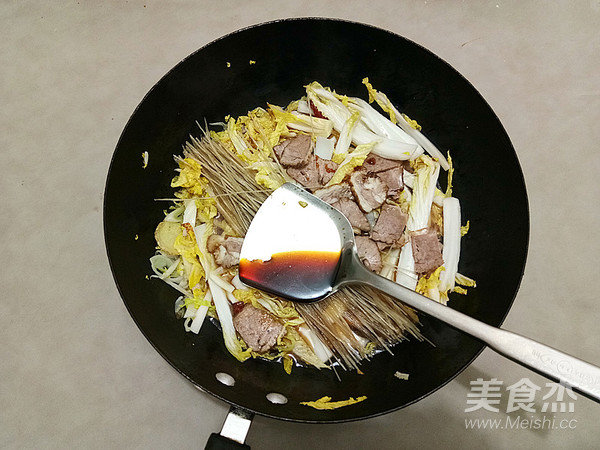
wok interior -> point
(288, 55)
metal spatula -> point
(300, 248)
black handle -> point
(218, 442)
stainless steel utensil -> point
(302, 249)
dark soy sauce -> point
(301, 276)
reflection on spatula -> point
(300, 248)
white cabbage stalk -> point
(200, 315)
(405, 272)
(237, 283)
(438, 199)
(303, 107)
(408, 178)
(386, 148)
(225, 285)
(310, 124)
(324, 148)
(321, 350)
(343, 144)
(161, 263)
(390, 262)
(425, 143)
(187, 323)
(171, 269)
(199, 319)
(202, 232)
(379, 124)
(231, 297)
(226, 319)
(328, 105)
(451, 251)
(332, 108)
(175, 215)
(189, 214)
(423, 193)
(190, 312)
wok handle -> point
(218, 442)
(234, 431)
(582, 376)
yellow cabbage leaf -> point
(413, 123)
(353, 159)
(325, 402)
(429, 283)
(381, 100)
(190, 179)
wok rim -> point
(482, 346)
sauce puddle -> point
(299, 276)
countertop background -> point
(75, 372)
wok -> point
(271, 63)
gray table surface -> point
(75, 372)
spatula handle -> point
(554, 364)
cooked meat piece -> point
(278, 149)
(313, 174)
(226, 250)
(390, 224)
(375, 163)
(326, 170)
(427, 250)
(369, 190)
(382, 245)
(214, 241)
(353, 213)
(398, 244)
(368, 253)
(307, 175)
(394, 180)
(334, 193)
(295, 152)
(258, 328)
(226, 258)
(234, 244)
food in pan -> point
(380, 172)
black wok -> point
(289, 54)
